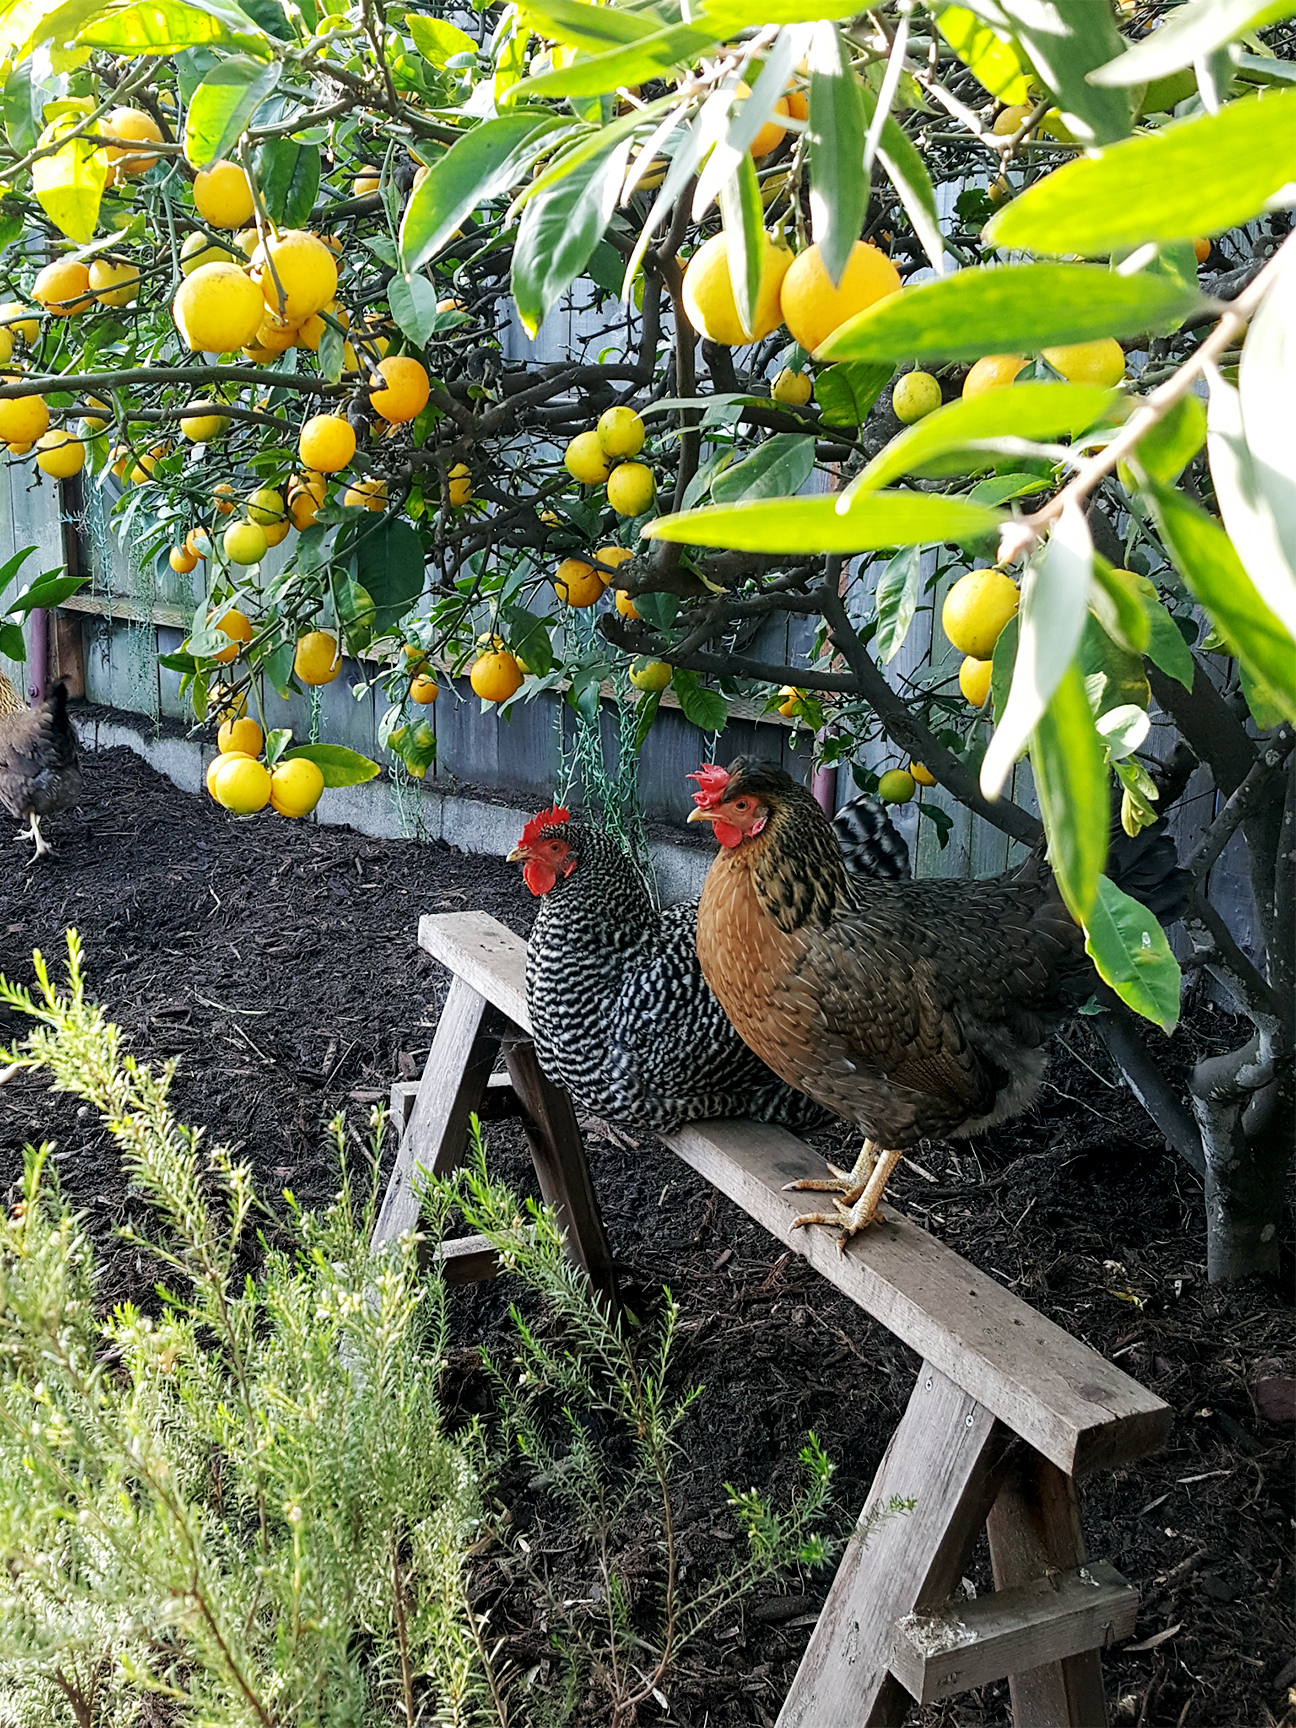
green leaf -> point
(705, 709)
(776, 468)
(993, 61)
(1118, 605)
(1018, 309)
(1170, 446)
(1166, 648)
(1205, 558)
(1130, 950)
(288, 175)
(46, 592)
(10, 568)
(389, 564)
(1071, 785)
(23, 102)
(12, 643)
(1190, 33)
(277, 741)
(1196, 176)
(624, 66)
(896, 601)
(278, 668)
(339, 766)
(1002, 488)
(1065, 41)
(742, 214)
(483, 164)
(908, 174)
(839, 185)
(1265, 544)
(223, 106)
(1115, 676)
(436, 40)
(413, 303)
(649, 703)
(579, 25)
(165, 27)
(845, 393)
(69, 184)
(1002, 662)
(560, 229)
(529, 637)
(1054, 607)
(942, 442)
(809, 525)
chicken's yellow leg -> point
(861, 1192)
(850, 1182)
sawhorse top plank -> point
(1066, 1400)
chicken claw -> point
(861, 1191)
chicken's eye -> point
(740, 804)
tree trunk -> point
(1243, 1104)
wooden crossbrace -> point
(1007, 1412)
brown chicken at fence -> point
(39, 770)
(912, 1008)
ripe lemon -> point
(791, 696)
(311, 332)
(198, 250)
(366, 495)
(6, 346)
(367, 180)
(115, 283)
(240, 734)
(242, 785)
(326, 443)
(295, 787)
(496, 675)
(59, 455)
(652, 675)
(266, 505)
(302, 510)
(423, 689)
(276, 531)
(812, 308)
(406, 389)
(222, 195)
(143, 469)
(577, 584)
(461, 490)
(217, 308)
(974, 680)
(1101, 362)
(585, 459)
(223, 496)
(992, 372)
(198, 542)
(1011, 118)
(130, 123)
(798, 103)
(216, 764)
(182, 560)
(631, 488)
(976, 609)
(317, 659)
(614, 556)
(238, 628)
(273, 336)
(625, 605)
(23, 419)
(16, 318)
(1202, 248)
(308, 481)
(896, 786)
(771, 134)
(247, 240)
(245, 542)
(792, 389)
(298, 274)
(62, 288)
(93, 423)
(201, 428)
(709, 297)
(915, 396)
(923, 776)
(620, 432)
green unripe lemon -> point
(896, 786)
(915, 396)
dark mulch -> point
(278, 964)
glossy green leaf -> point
(1170, 446)
(1071, 785)
(845, 393)
(839, 184)
(1188, 34)
(69, 184)
(592, 28)
(1065, 40)
(1205, 558)
(944, 441)
(560, 229)
(12, 642)
(288, 175)
(46, 592)
(339, 766)
(165, 27)
(23, 102)
(1054, 608)
(1265, 544)
(1118, 606)
(737, 122)
(1196, 176)
(808, 525)
(703, 708)
(1006, 310)
(1166, 648)
(1114, 676)
(896, 601)
(776, 468)
(10, 568)
(388, 565)
(1003, 488)
(993, 61)
(726, 16)
(742, 215)
(1130, 950)
(437, 40)
(413, 303)
(223, 106)
(485, 163)
(624, 66)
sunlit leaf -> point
(991, 59)
(339, 766)
(69, 184)
(223, 106)
(1266, 546)
(165, 26)
(1130, 950)
(1188, 34)
(437, 40)
(742, 215)
(624, 66)
(485, 163)
(560, 229)
(1266, 391)
(839, 185)
(1065, 40)
(1118, 605)
(1071, 785)
(908, 174)
(1166, 450)
(809, 525)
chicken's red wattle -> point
(538, 876)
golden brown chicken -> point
(39, 768)
(912, 1008)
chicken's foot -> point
(32, 832)
(861, 1191)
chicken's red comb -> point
(538, 823)
(713, 782)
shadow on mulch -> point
(278, 964)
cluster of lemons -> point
(317, 658)
(239, 781)
(604, 456)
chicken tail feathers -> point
(872, 846)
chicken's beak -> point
(518, 855)
(698, 814)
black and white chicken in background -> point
(620, 1012)
(39, 767)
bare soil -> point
(277, 964)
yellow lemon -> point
(23, 419)
(198, 250)
(182, 560)
(201, 428)
(992, 372)
(222, 195)
(241, 785)
(366, 495)
(651, 675)
(976, 609)
(614, 556)
(625, 605)
(326, 443)
(577, 584)
(240, 734)
(915, 396)
(265, 505)
(812, 308)
(1011, 118)
(423, 689)
(135, 124)
(620, 432)
(59, 455)
(709, 302)
(317, 659)
(218, 308)
(406, 389)
(115, 283)
(296, 786)
(923, 776)
(586, 460)
(297, 272)
(496, 676)
(974, 680)
(16, 318)
(460, 480)
(276, 531)
(238, 628)
(771, 134)
(216, 764)
(1101, 362)
(367, 180)
(631, 488)
(62, 288)
(792, 389)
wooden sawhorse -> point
(1008, 1410)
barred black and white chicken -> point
(39, 768)
(620, 1012)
